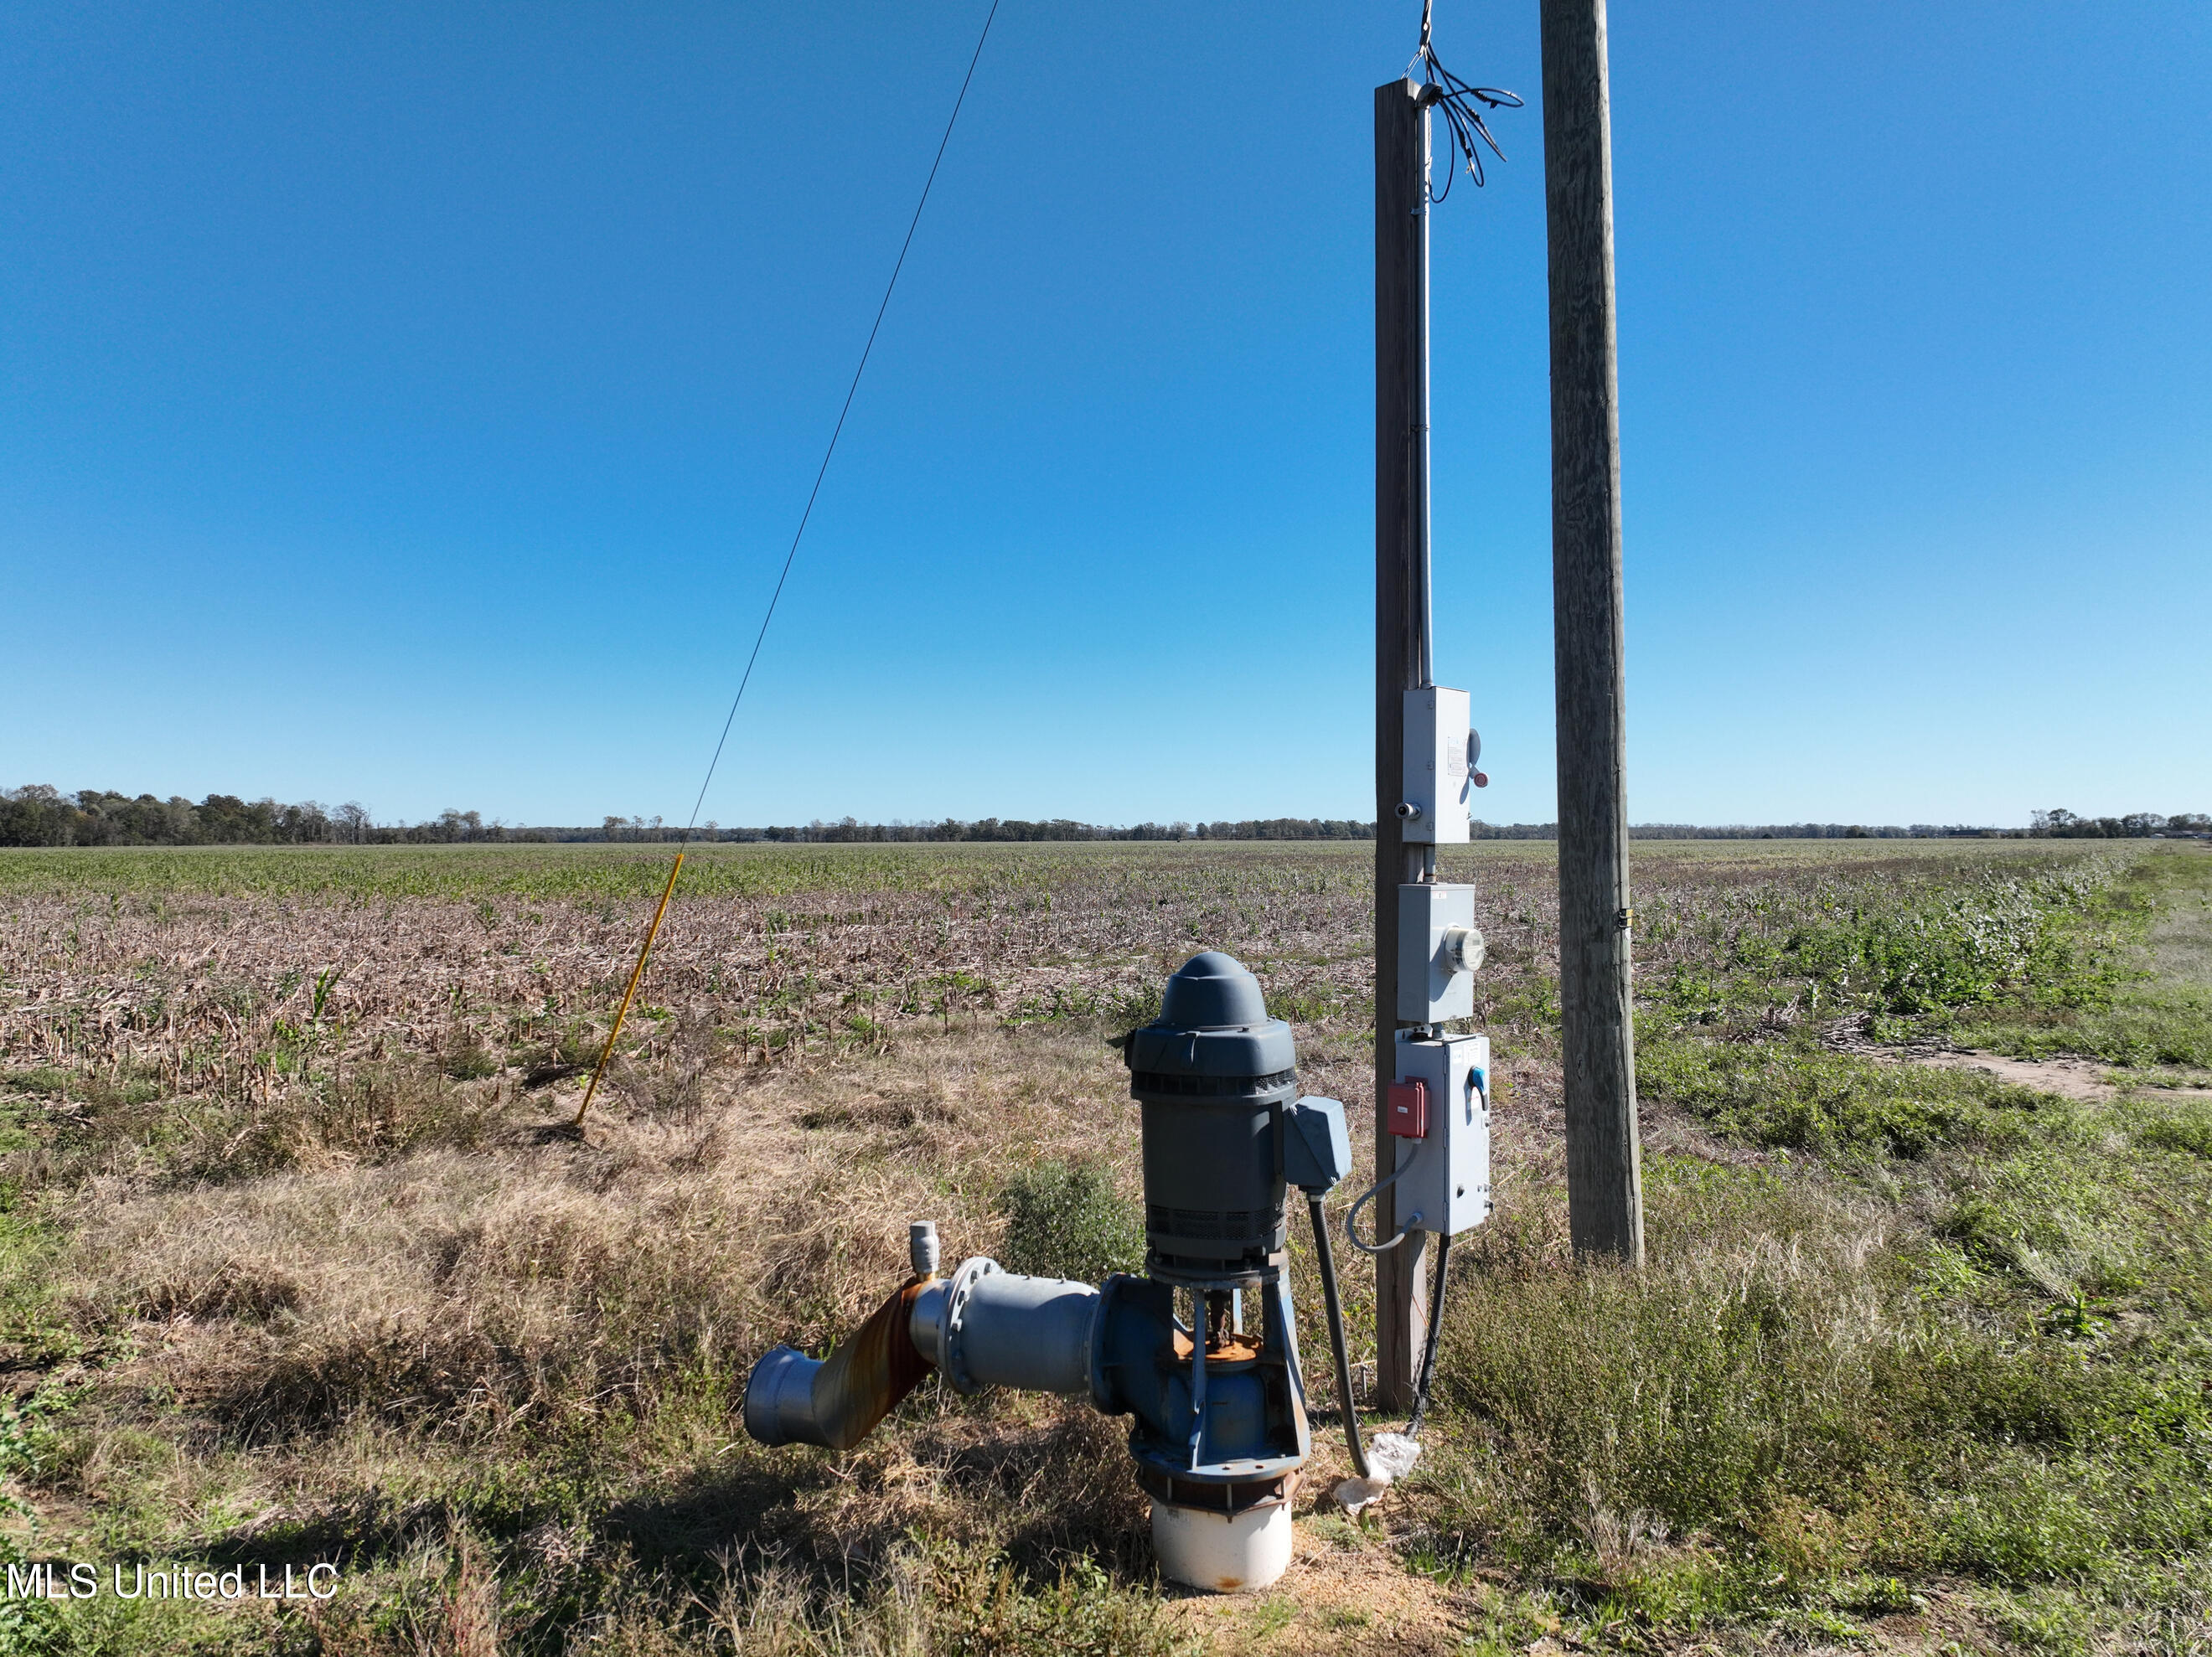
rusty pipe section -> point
(791, 1398)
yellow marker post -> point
(636, 973)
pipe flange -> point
(954, 1363)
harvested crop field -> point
(298, 1267)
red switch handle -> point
(1407, 1109)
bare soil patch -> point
(2069, 1076)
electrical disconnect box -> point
(1438, 952)
(1446, 1177)
(1433, 804)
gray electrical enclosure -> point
(1433, 808)
(1316, 1146)
(1446, 1177)
(1433, 984)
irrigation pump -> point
(1200, 1349)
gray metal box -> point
(1316, 1146)
(1432, 987)
(1435, 780)
(1446, 1178)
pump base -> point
(1223, 1553)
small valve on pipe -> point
(921, 1248)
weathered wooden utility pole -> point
(1604, 1182)
(1401, 659)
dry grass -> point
(303, 1273)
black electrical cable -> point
(1330, 1299)
(1463, 105)
(838, 430)
(1428, 1374)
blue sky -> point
(413, 404)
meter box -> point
(1433, 803)
(1446, 1177)
(1438, 949)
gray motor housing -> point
(1212, 1075)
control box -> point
(1435, 979)
(1433, 802)
(1446, 1177)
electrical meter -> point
(1439, 950)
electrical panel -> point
(1437, 950)
(1446, 1173)
(1433, 803)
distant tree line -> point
(1814, 831)
(37, 815)
(2059, 823)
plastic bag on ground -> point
(1390, 1456)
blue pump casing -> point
(1219, 1422)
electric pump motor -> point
(1200, 1351)
(1213, 1074)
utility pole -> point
(1403, 638)
(1605, 1198)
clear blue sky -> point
(412, 404)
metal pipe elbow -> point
(982, 1327)
(791, 1399)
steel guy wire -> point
(637, 973)
(837, 431)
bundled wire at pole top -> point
(1463, 105)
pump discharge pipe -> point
(1220, 1431)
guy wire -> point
(638, 972)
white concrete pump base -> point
(1223, 1553)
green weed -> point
(1069, 1220)
(2181, 1125)
(1795, 1095)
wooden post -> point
(1401, 659)
(1604, 1182)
